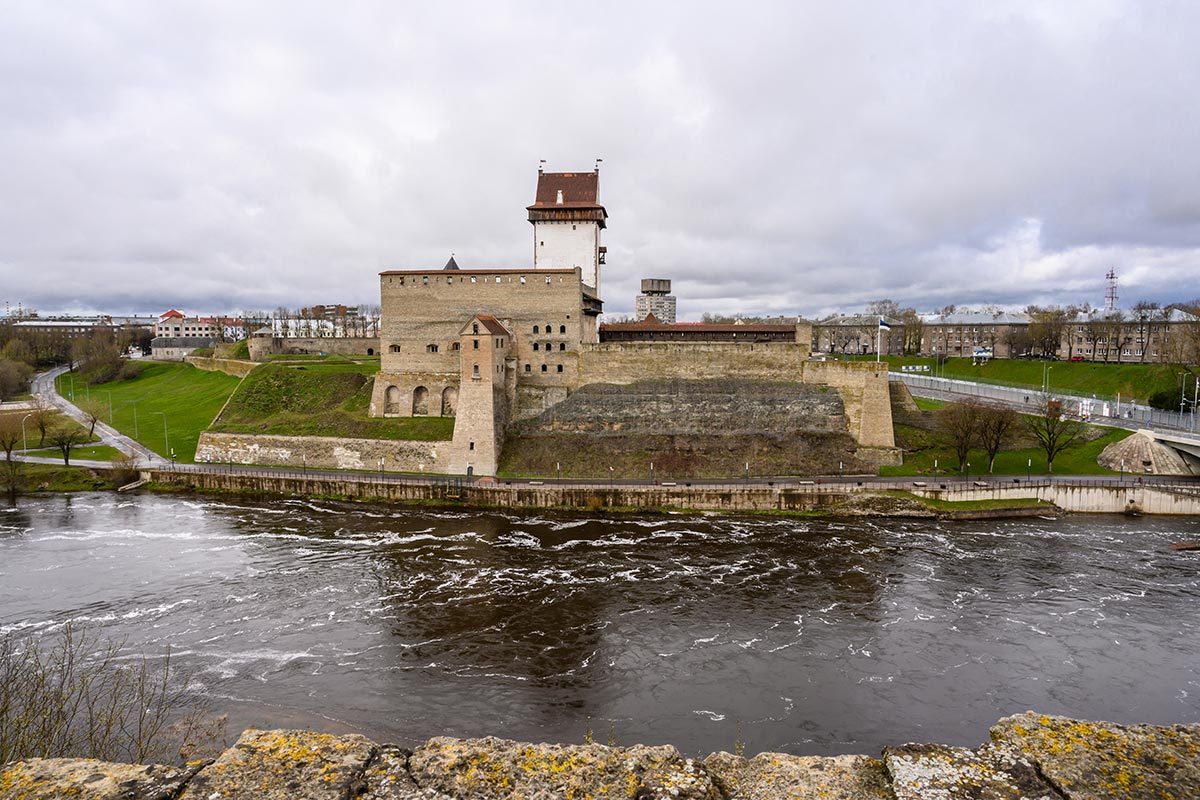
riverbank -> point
(1029, 756)
(933, 500)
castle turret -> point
(567, 219)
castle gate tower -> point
(567, 219)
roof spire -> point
(451, 264)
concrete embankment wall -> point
(519, 495)
(733, 497)
(1086, 499)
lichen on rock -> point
(89, 779)
(1103, 760)
(941, 772)
(772, 775)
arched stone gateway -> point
(420, 406)
(391, 401)
(449, 401)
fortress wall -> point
(322, 452)
(423, 309)
(230, 366)
(436, 383)
(263, 346)
(862, 385)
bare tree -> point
(959, 423)
(10, 433)
(66, 436)
(1046, 326)
(1054, 431)
(93, 409)
(43, 415)
(914, 330)
(996, 428)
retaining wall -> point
(321, 452)
(230, 366)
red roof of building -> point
(172, 313)
(492, 324)
(579, 190)
(651, 323)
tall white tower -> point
(567, 219)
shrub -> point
(129, 370)
(75, 696)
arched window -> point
(562, 345)
(560, 367)
(535, 328)
(449, 401)
(474, 327)
(475, 370)
(420, 405)
(391, 401)
(544, 369)
(562, 328)
(535, 347)
(393, 348)
(432, 348)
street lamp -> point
(24, 441)
(1029, 470)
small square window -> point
(472, 279)
(527, 368)
(547, 279)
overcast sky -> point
(789, 158)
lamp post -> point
(135, 428)
(1029, 470)
(110, 414)
(24, 441)
(166, 440)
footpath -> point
(1029, 756)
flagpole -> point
(878, 332)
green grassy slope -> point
(188, 397)
(326, 399)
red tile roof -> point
(492, 324)
(651, 323)
(579, 190)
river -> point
(819, 636)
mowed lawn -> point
(180, 396)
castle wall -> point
(423, 313)
(862, 385)
(263, 346)
(322, 452)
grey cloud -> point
(769, 158)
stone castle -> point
(498, 347)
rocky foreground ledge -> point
(1029, 756)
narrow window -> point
(544, 369)
(475, 370)
(470, 445)
(562, 328)
(527, 368)
(474, 327)
(560, 367)
(522, 280)
(455, 346)
(535, 328)
(562, 345)
(475, 344)
(449, 280)
(535, 347)
(547, 279)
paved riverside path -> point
(1026, 399)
